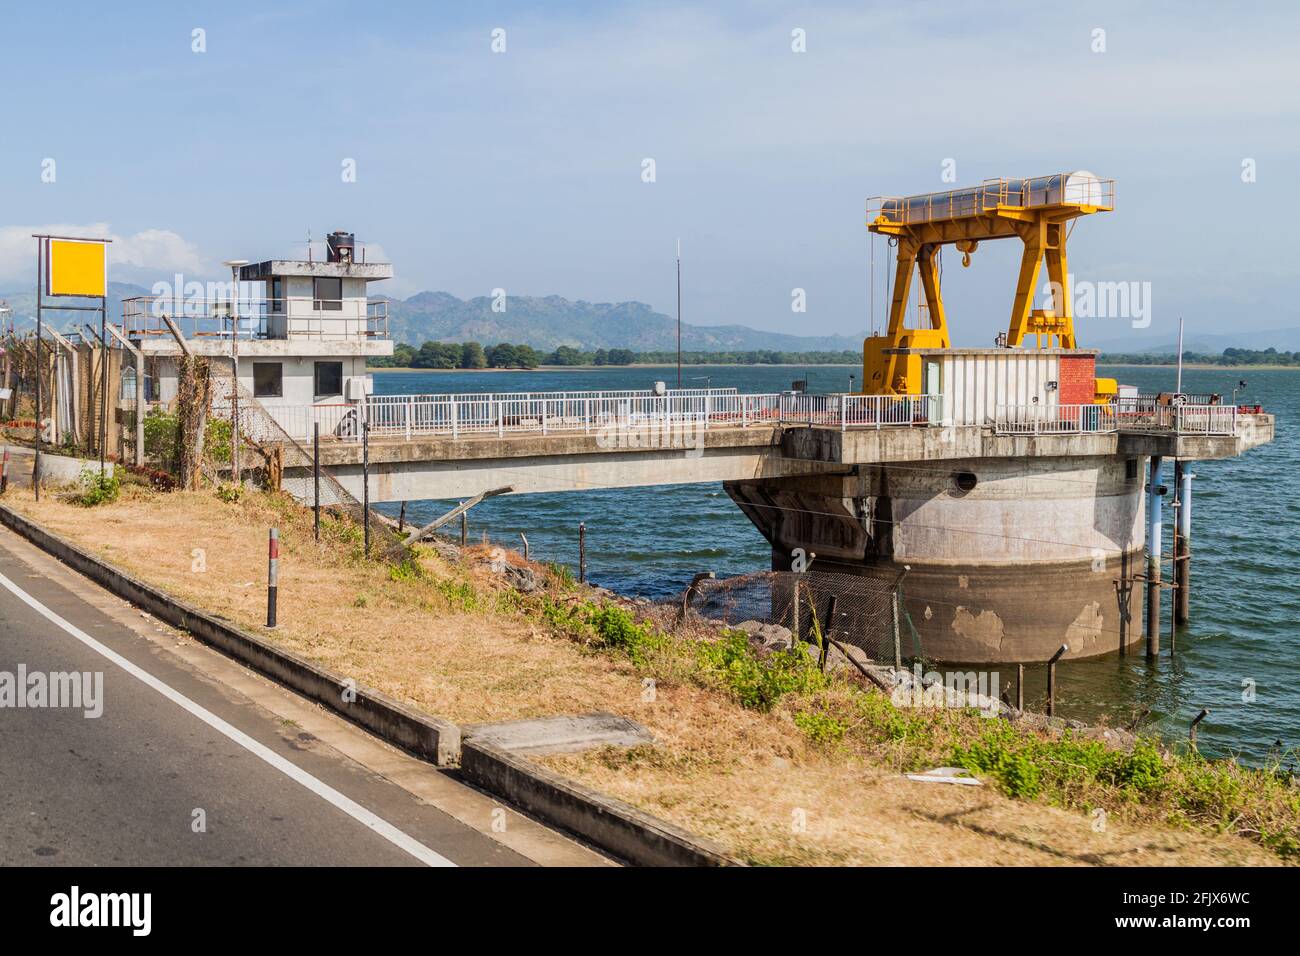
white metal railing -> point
(1053, 419)
(257, 317)
(412, 416)
(1127, 414)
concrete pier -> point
(1009, 559)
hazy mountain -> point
(551, 321)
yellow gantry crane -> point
(1036, 210)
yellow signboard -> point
(77, 267)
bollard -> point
(272, 574)
(4, 472)
(1191, 731)
(1051, 680)
(582, 552)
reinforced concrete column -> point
(1153, 558)
(1183, 551)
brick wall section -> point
(1078, 380)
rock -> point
(769, 636)
(521, 579)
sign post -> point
(78, 268)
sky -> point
(524, 168)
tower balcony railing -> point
(255, 318)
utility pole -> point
(679, 314)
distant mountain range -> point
(545, 323)
(550, 321)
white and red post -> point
(272, 575)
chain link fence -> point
(864, 610)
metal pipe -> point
(1153, 559)
(40, 307)
(1020, 687)
(1183, 549)
(1191, 731)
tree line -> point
(472, 355)
(1228, 358)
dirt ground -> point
(451, 642)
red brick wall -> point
(1078, 380)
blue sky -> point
(522, 170)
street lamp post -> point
(234, 362)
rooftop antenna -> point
(679, 312)
(309, 244)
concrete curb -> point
(611, 824)
(432, 738)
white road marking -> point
(323, 790)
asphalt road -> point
(173, 748)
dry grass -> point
(452, 641)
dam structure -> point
(1017, 495)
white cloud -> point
(144, 254)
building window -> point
(268, 380)
(329, 379)
(329, 295)
(276, 293)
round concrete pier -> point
(1009, 559)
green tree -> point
(501, 355)
(472, 356)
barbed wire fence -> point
(862, 610)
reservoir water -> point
(1238, 656)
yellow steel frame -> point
(1042, 230)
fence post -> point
(586, 415)
(409, 410)
(4, 472)
(464, 528)
(582, 552)
(501, 419)
(365, 480)
(543, 416)
(898, 635)
(455, 419)
(844, 413)
(1051, 679)
(272, 575)
(315, 477)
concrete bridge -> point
(1021, 527)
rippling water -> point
(1245, 599)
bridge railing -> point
(1131, 415)
(413, 416)
(1054, 419)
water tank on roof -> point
(340, 246)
